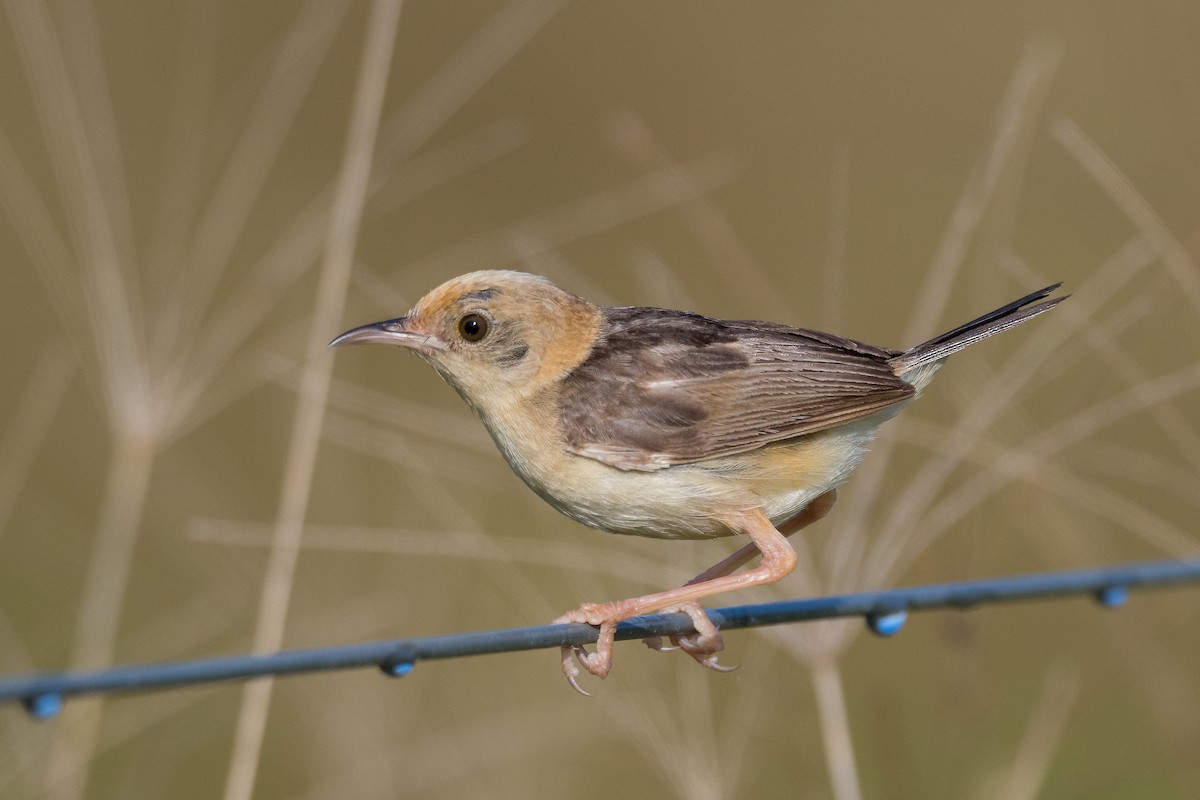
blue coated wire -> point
(885, 613)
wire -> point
(885, 612)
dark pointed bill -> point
(390, 331)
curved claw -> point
(714, 666)
(570, 670)
(577, 687)
(705, 653)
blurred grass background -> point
(169, 173)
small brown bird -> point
(669, 424)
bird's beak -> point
(390, 331)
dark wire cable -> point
(885, 613)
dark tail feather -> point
(991, 323)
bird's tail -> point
(928, 354)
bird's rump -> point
(666, 387)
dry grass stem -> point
(1181, 433)
(240, 184)
(1018, 112)
(30, 422)
(230, 325)
(835, 730)
(461, 544)
(1026, 775)
(463, 74)
(1089, 497)
(703, 218)
(301, 458)
(589, 216)
(1179, 263)
(1046, 444)
(903, 533)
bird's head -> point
(496, 336)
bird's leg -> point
(778, 559)
(708, 642)
(814, 511)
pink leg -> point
(814, 511)
(778, 559)
(707, 641)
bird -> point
(669, 424)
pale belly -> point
(689, 501)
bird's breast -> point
(684, 501)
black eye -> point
(473, 327)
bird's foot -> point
(604, 615)
(703, 645)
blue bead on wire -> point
(396, 669)
(887, 623)
(43, 706)
(1113, 596)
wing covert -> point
(667, 387)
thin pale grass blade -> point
(293, 72)
(301, 459)
(588, 216)
(231, 324)
(445, 505)
(244, 374)
(1165, 679)
(439, 761)
(676, 738)
(740, 724)
(1140, 468)
(420, 174)
(77, 731)
(23, 750)
(84, 58)
(31, 421)
(1180, 432)
(462, 75)
(703, 218)
(1180, 265)
(389, 446)
(1022, 103)
(835, 730)
(1017, 114)
(540, 258)
(900, 529)
(812, 643)
(401, 415)
(106, 294)
(452, 543)
(384, 294)
(48, 251)
(1043, 446)
(658, 282)
(1025, 777)
(187, 133)
(475, 63)
(1088, 496)
(186, 629)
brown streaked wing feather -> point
(667, 387)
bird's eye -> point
(473, 327)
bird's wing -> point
(665, 387)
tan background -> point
(165, 170)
